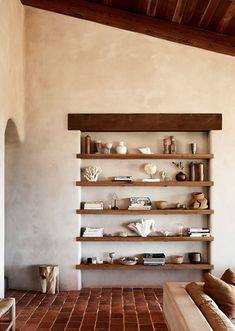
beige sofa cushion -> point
(215, 317)
(229, 277)
(222, 293)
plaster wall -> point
(11, 91)
(77, 66)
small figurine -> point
(114, 202)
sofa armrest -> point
(180, 311)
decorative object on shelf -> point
(145, 150)
(165, 146)
(122, 179)
(98, 146)
(112, 256)
(180, 205)
(92, 232)
(140, 203)
(129, 260)
(200, 171)
(176, 259)
(151, 169)
(179, 230)
(172, 147)
(89, 260)
(192, 171)
(161, 204)
(193, 148)
(99, 261)
(121, 148)
(109, 147)
(114, 202)
(123, 234)
(143, 228)
(198, 232)
(162, 175)
(87, 144)
(195, 257)
(167, 233)
(91, 173)
(95, 205)
(180, 176)
(199, 201)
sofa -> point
(182, 314)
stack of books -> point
(140, 203)
(92, 232)
(199, 232)
(122, 179)
(154, 258)
(98, 205)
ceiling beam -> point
(110, 16)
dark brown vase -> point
(181, 177)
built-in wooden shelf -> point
(108, 266)
(150, 238)
(145, 156)
(147, 212)
(141, 183)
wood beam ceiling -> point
(99, 13)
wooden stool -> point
(8, 305)
(49, 277)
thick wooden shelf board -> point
(147, 212)
(138, 238)
(144, 122)
(177, 156)
(139, 183)
(107, 266)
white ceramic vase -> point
(121, 148)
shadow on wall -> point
(11, 133)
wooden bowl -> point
(177, 259)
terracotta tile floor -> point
(99, 309)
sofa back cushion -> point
(215, 317)
(229, 276)
(222, 293)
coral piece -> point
(150, 169)
(143, 228)
(91, 173)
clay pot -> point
(181, 177)
(161, 204)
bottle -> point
(87, 144)
(192, 173)
(165, 146)
(200, 171)
(172, 147)
(121, 148)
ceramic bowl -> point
(161, 204)
(129, 260)
(178, 259)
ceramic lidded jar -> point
(121, 148)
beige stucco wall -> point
(77, 66)
(11, 90)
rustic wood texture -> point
(157, 184)
(157, 18)
(177, 156)
(144, 122)
(107, 266)
(150, 238)
(146, 212)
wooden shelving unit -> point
(143, 239)
(146, 212)
(203, 123)
(142, 183)
(108, 266)
(177, 156)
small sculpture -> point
(199, 201)
(150, 169)
(180, 176)
(145, 150)
(112, 256)
(91, 173)
(143, 228)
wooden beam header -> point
(144, 122)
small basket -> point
(177, 259)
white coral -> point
(91, 173)
(143, 228)
(150, 169)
